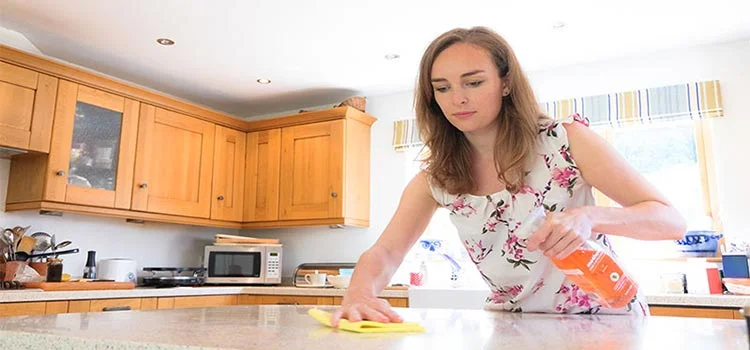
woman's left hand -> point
(562, 233)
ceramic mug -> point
(316, 279)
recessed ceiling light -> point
(165, 41)
(392, 56)
(263, 81)
(559, 25)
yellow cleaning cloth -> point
(365, 326)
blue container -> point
(699, 244)
(735, 266)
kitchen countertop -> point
(27, 295)
(289, 327)
(715, 300)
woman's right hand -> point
(357, 307)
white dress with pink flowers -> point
(520, 280)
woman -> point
(495, 158)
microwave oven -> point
(243, 264)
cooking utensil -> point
(23, 256)
(43, 241)
(10, 239)
(62, 244)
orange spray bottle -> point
(591, 267)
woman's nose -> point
(459, 97)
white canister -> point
(117, 269)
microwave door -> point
(235, 265)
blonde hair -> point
(448, 156)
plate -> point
(314, 285)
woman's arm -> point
(377, 265)
(645, 213)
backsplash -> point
(150, 244)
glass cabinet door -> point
(93, 147)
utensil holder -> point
(11, 267)
(41, 268)
(54, 272)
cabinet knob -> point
(334, 194)
(143, 185)
(221, 198)
(60, 173)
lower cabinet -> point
(161, 303)
(702, 312)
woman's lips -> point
(463, 115)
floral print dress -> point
(521, 280)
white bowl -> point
(339, 281)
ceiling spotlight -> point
(263, 81)
(559, 25)
(392, 56)
(165, 41)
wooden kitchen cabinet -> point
(56, 307)
(394, 302)
(702, 312)
(22, 309)
(205, 301)
(262, 176)
(293, 300)
(27, 102)
(98, 305)
(173, 164)
(91, 154)
(149, 303)
(78, 306)
(229, 175)
(324, 170)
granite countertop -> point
(289, 327)
(27, 295)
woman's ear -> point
(506, 87)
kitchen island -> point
(290, 327)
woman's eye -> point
(475, 83)
(441, 89)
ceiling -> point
(320, 52)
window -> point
(676, 159)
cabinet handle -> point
(287, 303)
(221, 198)
(117, 308)
(60, 173)
(334, 194)
(143, 185)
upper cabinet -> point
(312, 160)
(174, 163)
(317, 174)
(100, 146)
(262, 176)
(229, 175)
(93, 148)
(27, 104)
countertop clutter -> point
(290, 327)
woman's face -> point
(467, 87)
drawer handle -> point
(60, 173)
(143, 185)
(287, 303)
(221, 198)
(117, 308)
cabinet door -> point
(311, 171)
(262, 175)
(294, 300)
(676, 311)
(93, 148)
(205, 301)
(174, 164)
(56, 307)
(229, 175)
(22, 309)
(27, 102)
